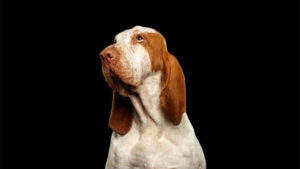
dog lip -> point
(101, 56)
(111, 77)
(114, 81)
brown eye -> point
(139, 38)
(115, 41)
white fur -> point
(152, 142)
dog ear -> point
(121, 114)
(173, 95)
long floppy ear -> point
(172, 97)
(121, 114)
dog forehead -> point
(141, 29)
(127, 34)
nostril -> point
(109, 55)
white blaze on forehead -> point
(136, 54)
(142, 29)
(127, 34)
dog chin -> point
(118, 85)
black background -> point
(240, 61)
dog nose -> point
(108, 54)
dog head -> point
(135, 54)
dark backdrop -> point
(240, 63)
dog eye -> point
(139, 38)
(115, 41)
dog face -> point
(127, 62)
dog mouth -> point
(116, 82)
(110, 77)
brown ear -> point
(173, 98)
(121, 114)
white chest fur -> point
(153, 142)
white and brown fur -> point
(151, 129)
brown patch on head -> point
(155, 45)
(173, 95)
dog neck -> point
(146, 102)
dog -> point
(151, 129)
